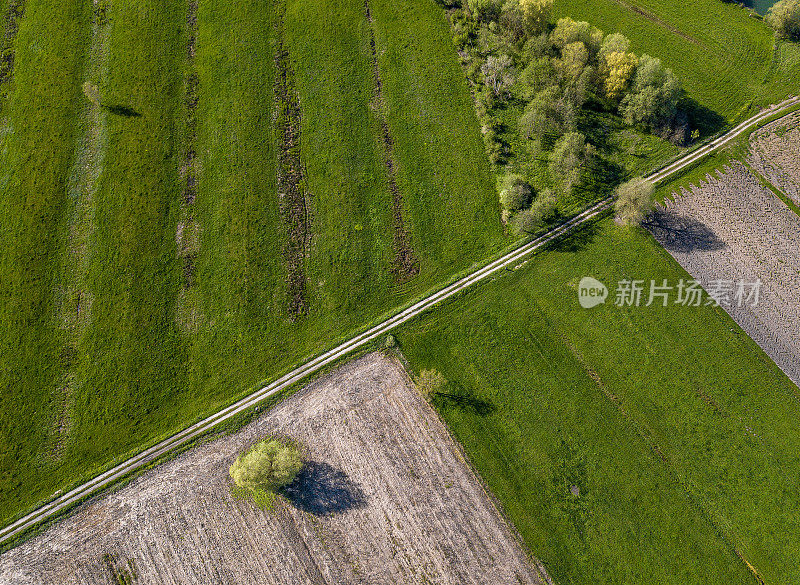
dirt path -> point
(62, 502)
(385, 499)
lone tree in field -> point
(784, 17)
(634, 201)
(268, 465)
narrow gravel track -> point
(103, 480)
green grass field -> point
(679, 431)
(723, 56)
(150, 355)
(37, 144)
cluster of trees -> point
(513, 53)
(784, 17)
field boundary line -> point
(171, 443)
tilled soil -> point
(386, 498)
(732, 227)
(775, 154)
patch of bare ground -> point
(732, 227)
(385, 497)
(775, 154)
(405, 264)
(291, 176)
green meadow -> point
(678, 432)
(106, 343)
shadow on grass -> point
(704, 119)
(124, 111)
(321, 489)
(577, 240)
(464, 400)
(681, 234)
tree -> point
(429, 382)
(537, 75)
(536, 14)
(634, 201)
(268, 465)
(485, 10)
(574, 57)
(515, 192)
(498, 73)
(531, 219)
(92, 93)
(784, 17)
(569, 31)
(615, 43)
(569, 157)
(548, 112)
(653, 97)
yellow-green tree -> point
(784, 17)
(268, 465)
(536, 13)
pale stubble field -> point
(385, 498)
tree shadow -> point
(682, 234)
(577, 240)
(124, 111)
(701, 118)
(464, 400)
(321, 489)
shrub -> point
(634, 201)
(515, 192)
(784, 17)
(569, 157)
(531, 219)
(268, 465)
(429, 382)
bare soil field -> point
(775, 154)
(732, 227)
(385, 498)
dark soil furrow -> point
(11, 19)
(291, 177)
(188, 230)
(405, 264)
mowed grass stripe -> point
(351, 249)
(132, 364)
(241, 274)
(36, 148)
(442, 169)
